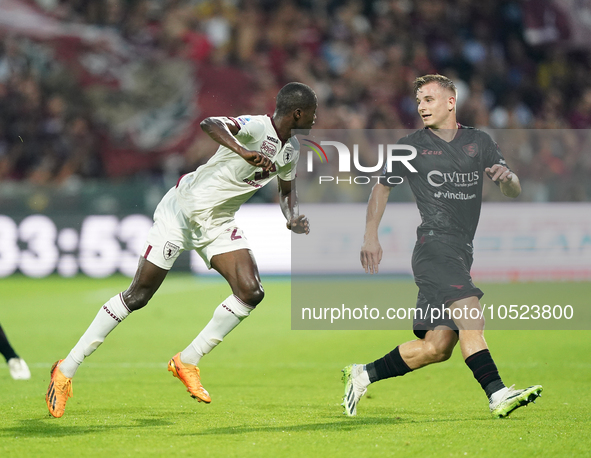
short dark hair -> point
(443, 82)
(293, 96)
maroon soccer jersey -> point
(448, 183)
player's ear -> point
(451, 103)
(297, 113)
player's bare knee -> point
(476, 324)
(437, 352)
(480, 324)
(135, 300)
(470, 322)
(252, 294)
(444, 353)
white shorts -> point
(172, 233)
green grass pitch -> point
(276, 392)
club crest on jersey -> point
(170, 250)
(268, 149)
(471, 149)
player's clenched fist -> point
(257, 159)
(299, 225)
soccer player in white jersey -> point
(198, 214)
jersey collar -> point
(283, 140)
(459, 132)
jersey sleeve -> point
(251, 128)
(288, 171)
(493, 154)
(398, 169)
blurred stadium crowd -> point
(516, 64)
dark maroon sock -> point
(485, 371)
(5, 347)
(391, 365)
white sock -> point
(497, 395)
(363, 377)
(226, 317)
(108, 317)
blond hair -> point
(443, 82)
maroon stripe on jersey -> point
(179, 180)
(283, 141)
(235, 122)
(147, 251)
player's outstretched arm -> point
(288, 200)
(223, 130)
(507, 180)
(371, 251)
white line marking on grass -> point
(136, 365)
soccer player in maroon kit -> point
(17, 366)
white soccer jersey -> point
(211, 195)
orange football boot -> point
(60, 389)
(189, 375)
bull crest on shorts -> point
(170, 250)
